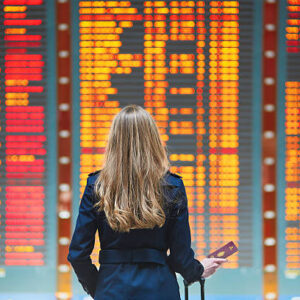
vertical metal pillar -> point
(269, 135)
(64, 147)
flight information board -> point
(27, 217)
(192, 65)
(289, 148)
(196, 67)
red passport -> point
(224, 251)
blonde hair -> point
(135, 161)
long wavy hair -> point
(129, 186)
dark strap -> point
(114, 256)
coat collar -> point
(171, 180)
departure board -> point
(289, 148)
(27, 234)
(192, 65)
(196, 67)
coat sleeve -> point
(181, 258)
(83, 241)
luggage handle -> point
(186, 289)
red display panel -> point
(23, 133)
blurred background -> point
(222, 80)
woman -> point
(140, 210)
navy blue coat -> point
(147, 276)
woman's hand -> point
(211, 265)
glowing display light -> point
(183, 58)
(22, 210)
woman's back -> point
(135, 264)
(138, 238)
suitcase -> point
(186, 289)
